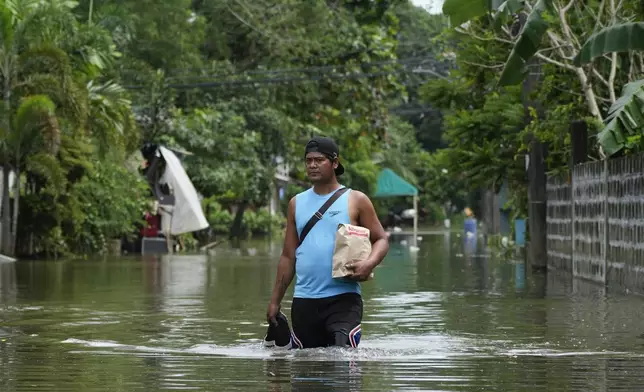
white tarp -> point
(187, 215)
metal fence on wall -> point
(596, 224)
(589, 221)
(559, 222)
(625, 252)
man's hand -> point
(379, 240)
(360, 270)
(286, 265)
(271, 313)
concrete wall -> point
(595, 222)
(559, 223)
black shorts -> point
(332, 321)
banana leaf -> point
(460, 11)
(528, 44)
(625, 118)
(505, 10)
(617, 38)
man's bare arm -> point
(286, 266)
(369, 219)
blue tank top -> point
(314, 257)
(469, 225)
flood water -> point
(436, 320)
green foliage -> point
(435, 213)
(56, 112)
(440, 185)
(484, 141)
(226, 153)
(236, 135)
(460, 11)
(219, 219)
(49, 169)
(189, 242)
(318, 69)
(83, 206)
(161, 35)
(113, 200)
(254, 222)
(110, 119)
(483, 129)
(527, 45)
(618, 38)
(34, 129)
(564, 27)
(261, 222)
(625, 119)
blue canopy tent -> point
(391, 184)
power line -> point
(332, 68)
(266, 81)
(430, 55)
(229, 81)
(408, 112)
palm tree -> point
(110, 116)
(34, 139)
(36, 81)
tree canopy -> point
(240, 85)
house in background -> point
(280, 182)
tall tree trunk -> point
(236, 228)
(6, 211)
(30, 189)
(16, 206)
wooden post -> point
(537, 206)
(537, 211)
(415, 241)
(578, 142)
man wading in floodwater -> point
(325, 311)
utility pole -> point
(578, 142)
(537, 208)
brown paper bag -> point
(352, 245)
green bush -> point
(190, 243)
(107, 202)
(219, 218)
(254, 221)
(113, 201)
(435, 214)
(261, 222)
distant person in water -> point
(470, 222)
(325, 311)
(470, 240)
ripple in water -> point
(390, 348)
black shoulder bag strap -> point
(318, 215)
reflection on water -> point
(446, 318)
(7, 283)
